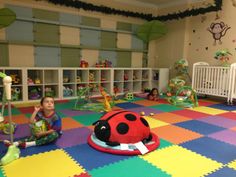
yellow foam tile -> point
(181, 162)
(232, 164)
(207, 110)
(49, 164)
(153, 123)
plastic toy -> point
(15, 79)
(123, 132)
(30, 81)
(37, 81)
(78, 79)
(66, 79)
(91, 77)
(84, 101)
(103, 64)
(49, 91)
(67, 91)
(83, 63)
(34, 93)
(13, 152)
(185, 97)
(223, 56)
(37, 127)
(129, 96)
(16, 94)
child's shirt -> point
(52, 122)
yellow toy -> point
(107, 106)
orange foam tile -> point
(146, 102)
(18, 119)
(69, 123)
(175, 134)
(170, 117)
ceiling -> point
(157, 3)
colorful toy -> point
(37, 81)
(103, 64)
(129, 96)
(223, 56)
(39, 126)
(49, 92)
(30, 81)
(123, 132)
(15, 79)
(83, 63)
(13, 152)
(34, 93)
(67, 91)
(91, 77)
(78, 79)
(16, 94)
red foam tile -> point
(229, 115)
(205, 103)
(190, 114)
(26, 110)
(82, 175)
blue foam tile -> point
(211, 148)
(3, 150)
(128, 105)
(223, 172)
(223, 107)
(90, 158)
(37, 149)
(200, 127)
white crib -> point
(215, 80)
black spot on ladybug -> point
(122, 128)
(144, 122)
(130, 117)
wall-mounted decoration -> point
(223, 56)
(218, 30)
(234, 3)
(7, 17)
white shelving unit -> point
(64, 83)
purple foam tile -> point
(145, 109)
(227, 136)
(22, 131)
(71, 113)
(219, 121)
(73, 137)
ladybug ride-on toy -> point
(124, 133)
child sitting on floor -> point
(45, 124)
(153, 95)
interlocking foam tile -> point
(146, 102)
(180, 162)
(132, 167)
(22, 130)
(175, 134)
(73, 137)
(208, 110)
(146, 110)
(223, 172)
(170, 117)
(233, 128)
(120, 101)
(14, 111)
(69, 123)
(115, 108)
(67, 105)
(190, 114)
(219, 121)
(204, 103)
(37, 149)
(128, 105)
(25, 110)
(18, 119)
(3, 150)
(90, 158)
(223, 107)
(200, 127)
(227, 136)
(217, 150)
(1, 173)
(164, 143)
(70, 112)
(88, 119)
(232, 164)
(82, 175)
(229, 115)
(163, 101)
(54, 163)
(165, 107)
(153, 123)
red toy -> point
(117, 129)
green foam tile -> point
(1, 173)
(132, 167)
(164, 143)
(87, 119)
(165, 107)
(14, 111)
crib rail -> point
(214, 80)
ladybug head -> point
(102, 130)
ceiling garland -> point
(216, 6)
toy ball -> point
(118, 128)
(151, 114)
(142, 113)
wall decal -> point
(218, 30)
(234, 3)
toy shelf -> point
(32, 84)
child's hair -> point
(43, 98)
(151, 92)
